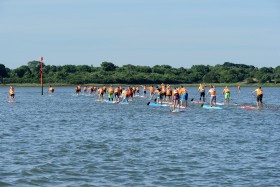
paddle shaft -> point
(194, 95)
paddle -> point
(148, 103)
(194, 95)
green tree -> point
(3, 71)
(276, 73)
(108, 66)
(211, 77)
(265, 78)
(34, 67)
(69, 68)
(23, 70)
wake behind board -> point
(211, 107)
(11, 101)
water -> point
(65, 140)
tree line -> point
(109, 73)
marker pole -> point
(41, 74)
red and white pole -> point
(41, 74)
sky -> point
(180, 33)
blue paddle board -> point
(123, 103)
(157, 104)
(211, 107)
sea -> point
(62, 139)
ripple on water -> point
(73, 141)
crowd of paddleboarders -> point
(163, 93)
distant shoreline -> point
(185, 85)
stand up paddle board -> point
(110, 102)
(157, 104)
(198, 102)
(211, 107)
(249, 107)
(99, 100)
(123, 103)
(177, 110)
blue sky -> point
(180, 33)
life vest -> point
(129, 92)
(151, 89)
(259, 91)
(124, 92)
(100, 91)
(213, 92)
(182, 91)
(226, 90)
(201, 87)
(11, 91)
(168, 92)
(111, 90)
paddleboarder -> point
(51, 89)
(201, 89)
(117, 94)
(12, 94)
(184, 98)
(124, 95)
(78, 89)
(152, 92)
(259, 93)
(212, 92)
(85, 90)
(226, 92)
(169, 93)
(176, 99)
(110, 93)
(100, 93)
(144, 91)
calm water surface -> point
(65, 140)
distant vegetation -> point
(109, 73)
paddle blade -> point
(192, 99)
